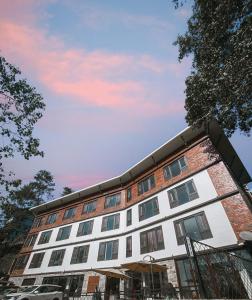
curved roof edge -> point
(211, 128)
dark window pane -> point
(128, 246)
(129, 217)
(148, 209)
(57, 257)
(36, 260)
(85, 228)
(110, 222)
(89, 207)
(152, 240)
(108, 250)
(112, 201)
(63, 233)
(146, 185)
(175, 168)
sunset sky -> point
(110, 78)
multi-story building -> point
(192, 185)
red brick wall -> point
(238, 213)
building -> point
(193, 184)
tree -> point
(66, 191)
(20, 108)
(219, 36)
(25, 196)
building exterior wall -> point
(218, 197)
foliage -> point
(25, 196)
(219, 36)
(66, 191)
(20, 108)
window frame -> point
(151, 184)
(30, 240)
(59, 260)
(21, 262)
(87, 204)
(105, 245)
(114, 203)
(129, 246)
(143, 207)
(37, 222)
(49, 221)
(147, 240)
(90, 228)
(59, 234)
(129, 193)
(38, 261)
(205, 233)
(173, 194)
(129, 217)
(105, 221)
(75, 254)
(168, 168)
(42, 238)
(65, 217)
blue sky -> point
(110, 78)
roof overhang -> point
(212, 129)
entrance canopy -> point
(114, 273)
(144, 266)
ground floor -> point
(212, 273)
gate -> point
(219, 274)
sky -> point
(110, 77)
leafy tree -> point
(24, 196)
(66, 191)
(20, 108)
(219, 37)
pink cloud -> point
(95, 78)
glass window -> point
(182, 194)
(89, 207)
(57, 257)
(85, 228)
(112, 201)
(129, 194)
(152, 240)
(146, 185)
(129, 246)
(110, 222)
(36, 260)
(21, 262)
(80, 254)
(108, 250)
(195, 226)
(37, 222)
(175, 168)
(63, 233)
(28, 281)
(45, 237)
(30, 241)
(69, 213)
(129, 217)
(51, 219)
(148, 209)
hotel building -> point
(192, 185)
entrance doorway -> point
(112, 289)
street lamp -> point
(152, 279)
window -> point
(28, 281)
(113, 200)
(129, 217)
(57, 258)
(30, 241)
(129, 246)
(148, 209)
(195, 226)
(146, 185)
(152, 240)
(85, 228)
(80, 254)
(64, 233)
(37, 222)
(110, 222)
(51, 219)
(36, 260)
(69, 213)
(108, 250)
(56, 280)
(129, 194)
(21, 262)
(45, 237)
(89, 207)
(175, 168)
(182, 194)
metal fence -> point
(219, 273)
